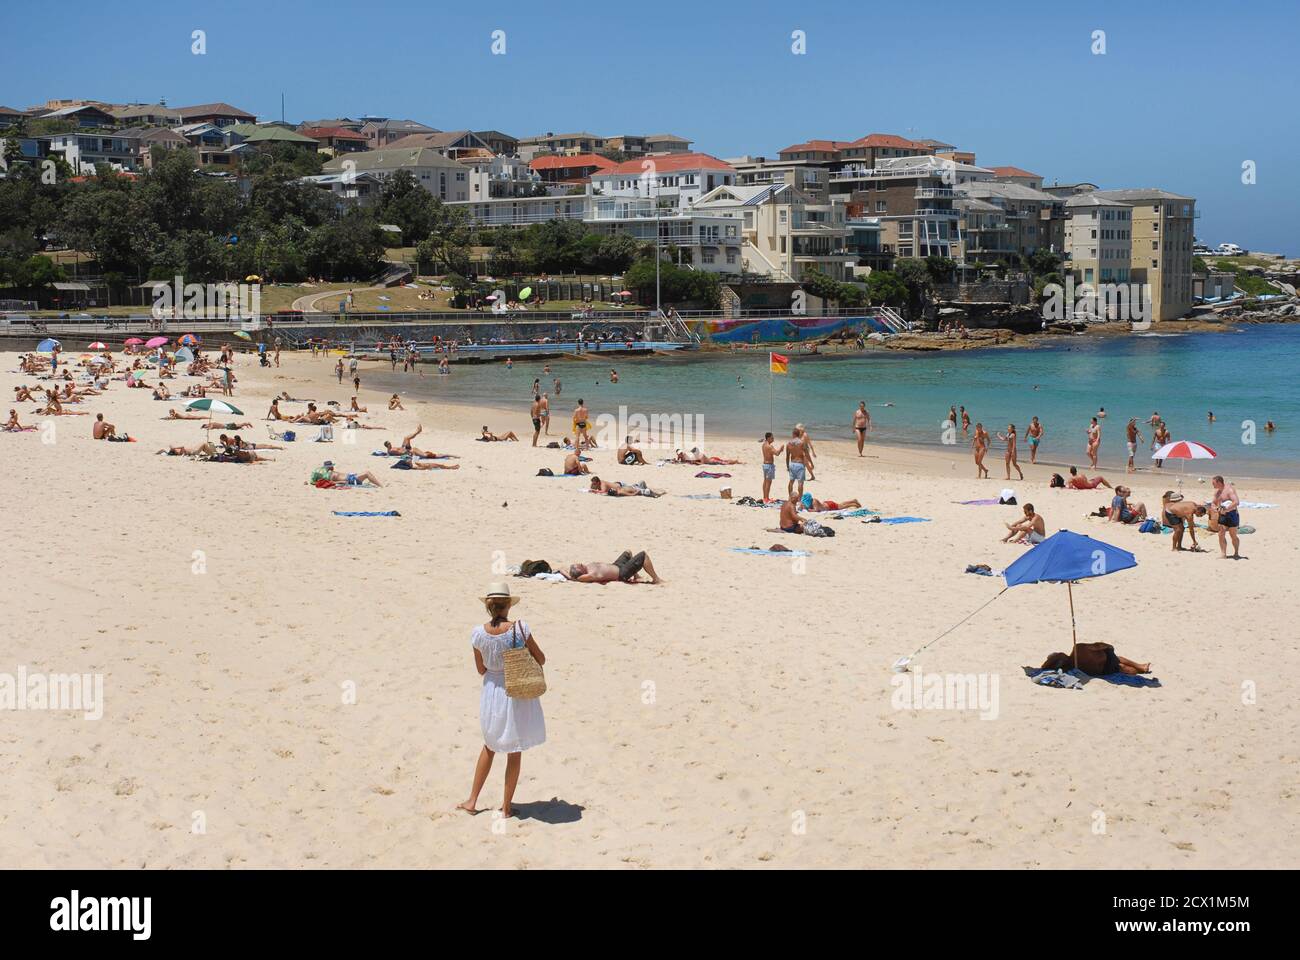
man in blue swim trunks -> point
(769, 464)
(796, 462)
(327, 472)
(1225, 516)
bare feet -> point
(467, 806)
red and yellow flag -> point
(779, 364)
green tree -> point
(884, 287)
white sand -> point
(738, 715)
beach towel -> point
(704, 474)
(366, 513)
(848, 514)
(550, 577)
(1075, 679)
(1251, 505)
(897, 520)
(754, 552)
(698, 496)
(993, 501)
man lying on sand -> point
(1031, 529)
(205, 449)
(404, 449)
(697, 457)
(227, 426)
(617, 489)
(625, 569)
(325, 477)
(1079, 481)
(488, 437)
(1096, 660)
(1177, 513)
(173, 415)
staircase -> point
(891, 320)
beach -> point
(284, 687)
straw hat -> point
(499, 591)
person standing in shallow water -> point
(509, 726)
(1012, 454)
(980, 446)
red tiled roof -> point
(826, 146)
(889, 140)
(1014, 172)
(212, 109)
(668, 163)
(332, 133)
(555, 162)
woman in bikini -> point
(1010, 458)
(1094, 442)
(980, 445)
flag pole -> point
(771, 403)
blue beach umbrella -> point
(1066, 557)
(47, 346)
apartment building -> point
(85, 149)
(874, 148)
(444, 178)
(1098, 239)
(1017, 175)
(673, 180)
(787, 233)
(566, 143)
(1163, 228)
(495, 177)
(807, 177)
(569, 170)
(1037, 219)
(985, 233)
(572, 144)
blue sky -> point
(1186, 91)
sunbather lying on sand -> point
(173, 415)
(697, 457)
(574, 467)
(227, 426)
(411, 463)
(325, 476)
(55, 409)
(489, 437)
(1096, 660)
(810, 502)
(617, 489)
(1079, 481)
(404, 449)
(205, 449)
(626, 569)
(239, 443)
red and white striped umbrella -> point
(1184, 450)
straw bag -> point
(524, 678)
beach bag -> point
(545, 472)
(531, 568)
(288, 436)
(524, 679)
(1149, 526)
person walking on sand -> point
(861, 424)
(1094, 442)
(769, 464)
(509, 726)
(1035, 434)
(1133, 437)
(1010, 458)
(338, 370)
(980, 445)
(580, 423)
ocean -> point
(1246, 377)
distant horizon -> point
(1180, 99)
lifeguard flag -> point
(779, 363)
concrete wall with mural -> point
(781, 329)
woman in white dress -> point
(510, 726)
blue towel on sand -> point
(900, 520)
(771, 553)
(860, 512)
(1075, 679)
(366, 513)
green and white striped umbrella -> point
(210, 405)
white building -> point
(674, 180)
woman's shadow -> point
(553, 810)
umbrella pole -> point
(1074, 636)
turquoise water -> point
(1245, 375)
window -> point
(880, 206)
(707, 256)
(731, 256)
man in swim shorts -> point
(1225, 516)
(1080, 482)
(1133, 436)
(796, 462)
(1177, 513)
(625, 569)
(791, 522)
(769, 465)
(861, 423)
(326, 476)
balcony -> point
(934, 193)
(940, 212)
